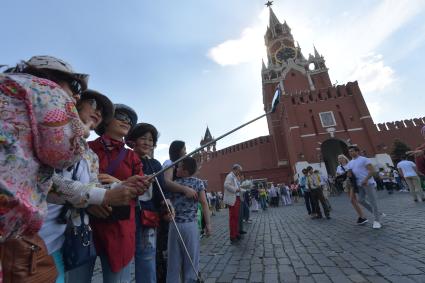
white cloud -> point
(249, 47)
(372, 74)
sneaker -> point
(415, 200)
(362, 221)
(328, 217)
(242, 232)
(383, 215)
(376, 225)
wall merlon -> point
(409, 123)
(399, 124)
(391, 126)
(418, 121)
(341, 90)
(382, 127)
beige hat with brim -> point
(53, 63)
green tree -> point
(398, 150)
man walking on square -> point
(361, 169)
(233, 199)
(409, 172)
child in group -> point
(186, 221)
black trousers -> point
(316, 196)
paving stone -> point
(301, 271)
(322, 278)
(397, 279)
(340, 278)
(256, 277)
(242, 275)
(288, 277)
(226, 278)
(377, 279)
(314, 268)
(357, 278)
(306, 279)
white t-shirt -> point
(167, 163)
(340, 169)
(358, 167)
(407, 167)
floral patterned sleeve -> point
(39, 130)
(79, 193)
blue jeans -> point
(263, 203)
(178, 261)
(308, 202)
(57, 256)
(145, 257)
(84, 273)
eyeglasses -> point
(123, 117)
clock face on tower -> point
(284, 53)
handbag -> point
(149, 218)
(26, 259)
(78, 247)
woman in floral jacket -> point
(40, 131)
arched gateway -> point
(330, 150)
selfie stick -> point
(197, 272)
(275, 102)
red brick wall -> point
(407, 131)
(256, 156)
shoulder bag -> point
(78, 247)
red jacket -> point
(420, 160)
(116, 239)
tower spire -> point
(316, 54)
(273, 19)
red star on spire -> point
(269, 3)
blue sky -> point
(184, 65)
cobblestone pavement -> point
(284, 245)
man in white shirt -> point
(363, 171)
(233, 200)
(409, 172)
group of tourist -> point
(66, 202)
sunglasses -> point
(75, 86)
(123, 117)
(94, 105)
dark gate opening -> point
(330, 149)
